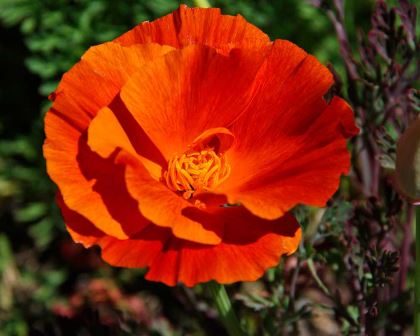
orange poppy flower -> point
(181, 146)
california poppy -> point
(181, 146)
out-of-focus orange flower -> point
(181, 145)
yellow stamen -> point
(196, 171)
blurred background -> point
(52, 286)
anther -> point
(196, 171)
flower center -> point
(196, 171)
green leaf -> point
(31, 212)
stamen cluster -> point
(196, 171)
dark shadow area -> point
(19, 101)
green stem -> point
(319, 282)
(202, 3)
(224, 306)
(417, 277)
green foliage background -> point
(40, 40)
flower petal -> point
(100, 130)
(93, 82)
(288, 97)
(206, 26)
(81, 230)
(84, 90)
(162, 206)
(250, 246)
(270, 196)
(99, 140)
(297, 152)
(61, 151)
(218, 138)
(197, 89)
(139, 251)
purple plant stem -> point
(376, 167)
(405, 248)
(360, 297)
(363, 164)
(345, 50)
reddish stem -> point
(405, 248)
